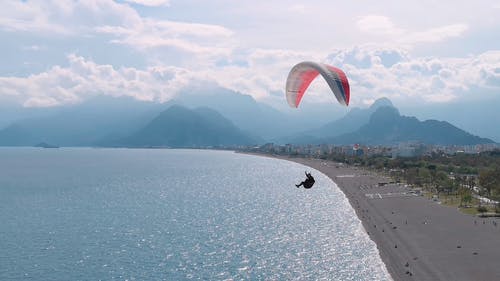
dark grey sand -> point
(418, 238)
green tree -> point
(490, 180)
(482, 209)
(465, 197)
(441, 182)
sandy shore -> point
(418, 238)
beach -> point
(418, 238)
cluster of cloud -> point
(151, 3)
(215, 54)
(84, 78)
(376, 72)
(195, 43)
(199, 43)
(373, 73)
(383, 27)
(64, 17)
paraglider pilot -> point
(308, 183)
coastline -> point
(417, 238)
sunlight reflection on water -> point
(72, 214)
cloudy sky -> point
(57, 52)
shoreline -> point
(417, 238)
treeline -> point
(461, 174)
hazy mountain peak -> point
(381, 102)
(179, 126)
(388, 127)
(385, 114)
(352, 121)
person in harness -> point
(308, 183)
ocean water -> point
(155, 214)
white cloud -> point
(151, 3)
(407, 79)
(84, 78)
(184, 44)
(33, 48)
(298, 8)
(189, 37)
(28, 17)
(41, 102)
(378, 25)
(64, 17)
(383, 27)
(245, 47)
(416, 80)
(264, 72)
(435, 34)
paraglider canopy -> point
(302, 74)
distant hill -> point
(16, 135)
(387, 126)
(247, 114)
(83, 124)
(179, 126)
(46, 145)
(478, 115)
(104, 119)
(257, 118)
(351, 122)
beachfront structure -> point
(411, 149)
(408, 150)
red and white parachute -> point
(305, 72)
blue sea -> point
(161, 214)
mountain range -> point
(219, 118)
(386, 126)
